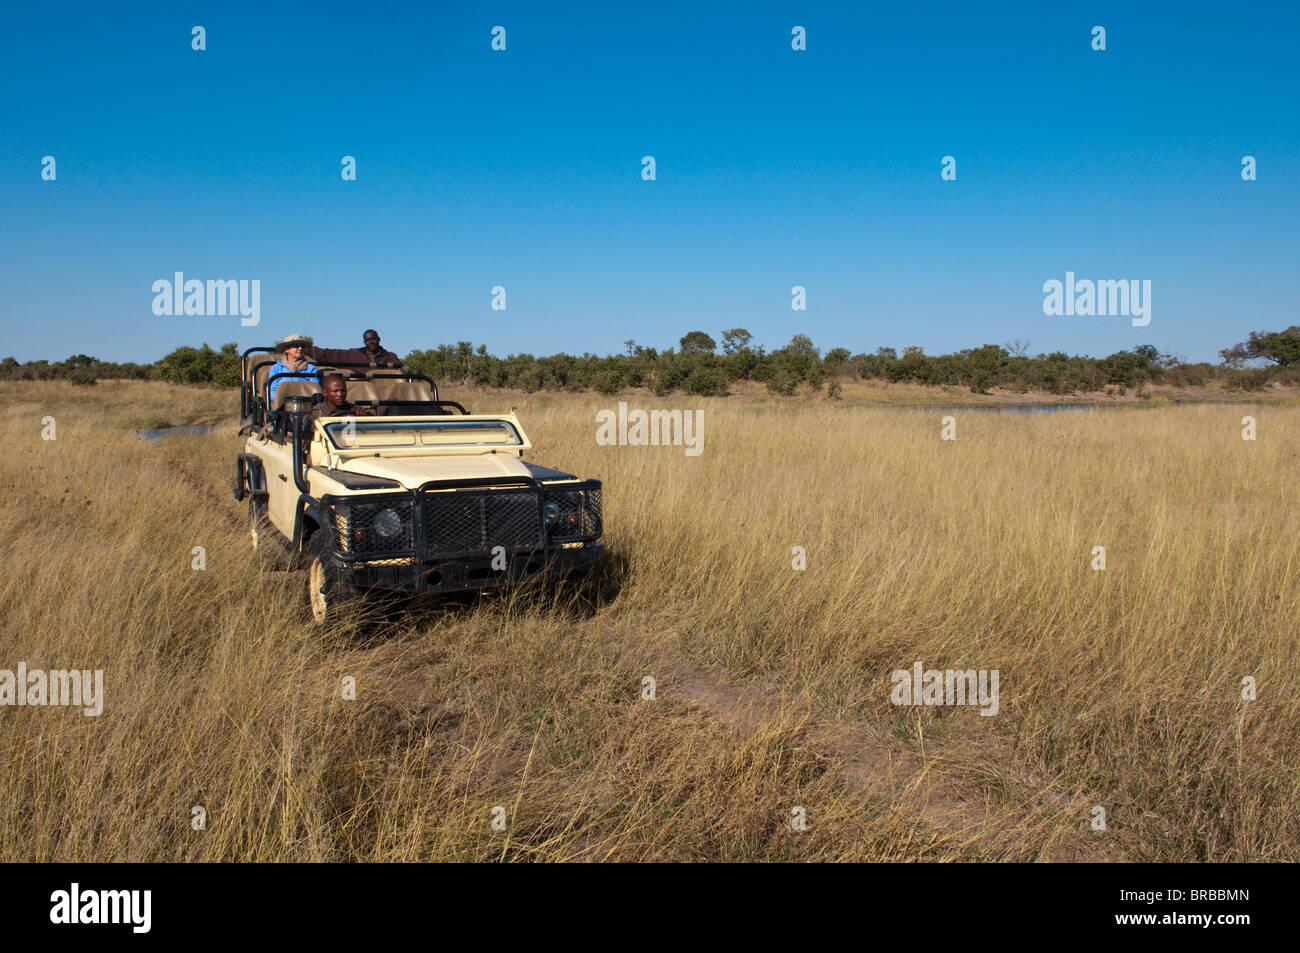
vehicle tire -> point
(328, 597)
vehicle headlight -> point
(563, 514)
(388, 523)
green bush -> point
(1254, 379)
(782, 381)
(706, 382)
(608, 380)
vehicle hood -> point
(414, 472)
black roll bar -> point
(243, 360)
(423, 403)
(298, 469)
(371, 371)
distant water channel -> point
(175, 432)
(1036, 408)
(1006, 408)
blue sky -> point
(775, 168)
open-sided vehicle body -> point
(418, 497)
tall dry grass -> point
(1120, 688)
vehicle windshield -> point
(364, 433)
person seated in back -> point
(371, 354)
(293, 361)
(336, 403)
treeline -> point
(700, 366)
(185, 365)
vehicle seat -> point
(289, 387)
(260, 373)
(362, 392)
(397, 389)
(393, 388)
(413, 390)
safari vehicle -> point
(423, 498)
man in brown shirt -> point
(336, 403)
(372, 353)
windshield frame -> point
(335, 431)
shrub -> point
(608, 380)
(782, 382)
(706, 382)
(1254, 379)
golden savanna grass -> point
(1120, 688)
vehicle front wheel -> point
(328, 596)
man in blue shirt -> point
(292, 362)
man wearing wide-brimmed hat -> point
(292, 361)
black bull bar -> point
(473, 534)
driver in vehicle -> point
(336, 403)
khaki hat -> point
(289, 339)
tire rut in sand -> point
(870, 761)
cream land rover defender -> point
(422, 497)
